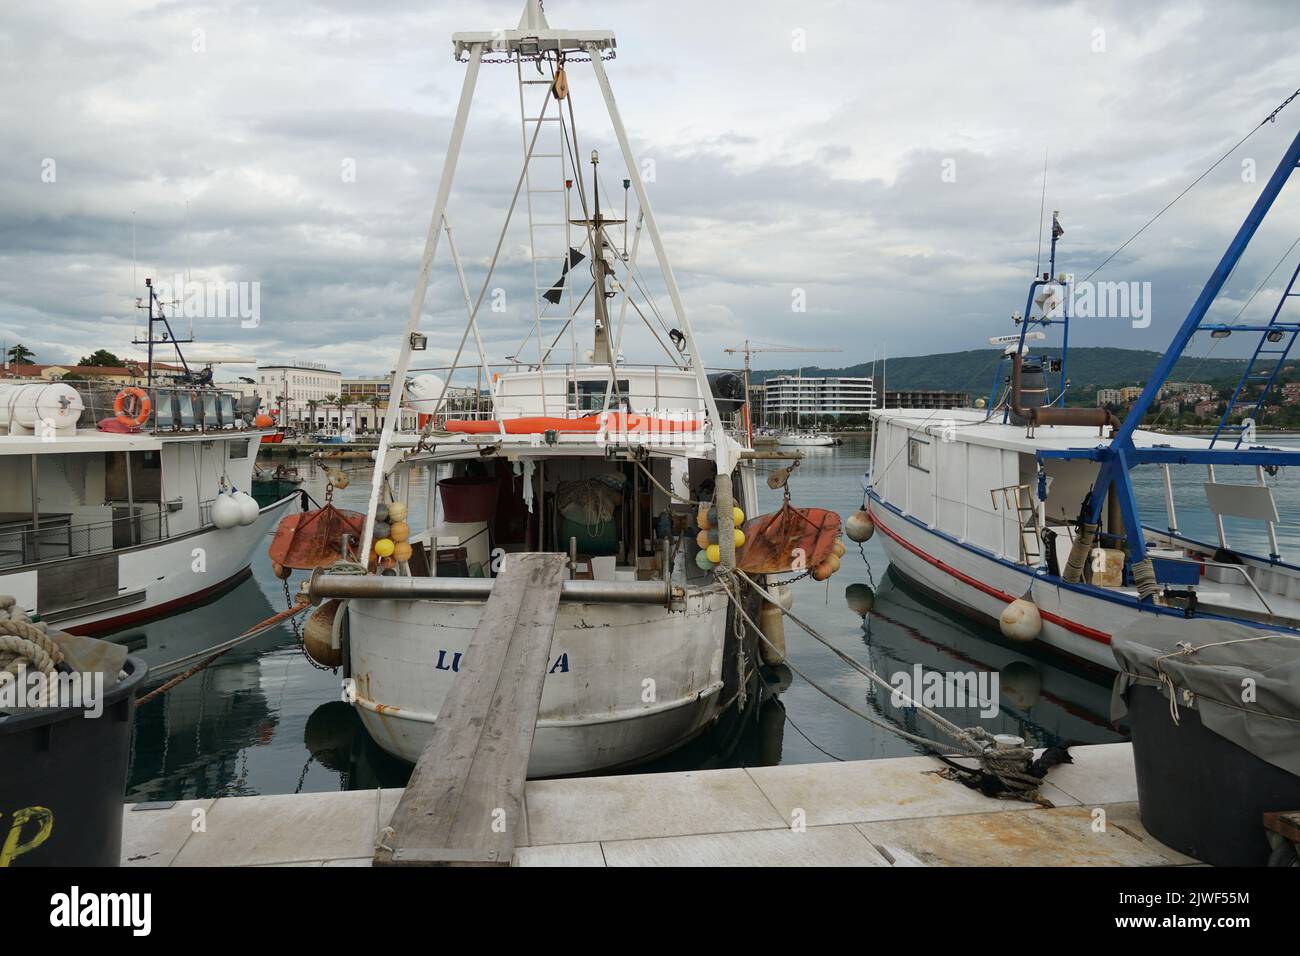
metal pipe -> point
(1272, 528)
(130, 498)
(1218, 518)
(1169, 501)
(36, 514)
(381, 587)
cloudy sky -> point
(883, 161)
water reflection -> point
(263, 719)
(1047, 702)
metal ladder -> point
(1273, 333)
(542, 200)
(1020, 499)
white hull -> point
(805, 441)
(154, 578)
(626, 683)
(983, 586)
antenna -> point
(1042, 204)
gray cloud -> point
(776, 170)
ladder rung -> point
(531, 191)
(541, 119)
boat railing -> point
(572, 390)
(172, 409)
(1224, 566)
(52, 537)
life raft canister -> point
(135, 414)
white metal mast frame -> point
(543, 39)
(398, 388)
(724, 455)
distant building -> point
(797, 395)
(285, 391)
(1190, 391)
(368, 395)
(132, 373)
(1202, 409)
(926, 398)
(1107, 397)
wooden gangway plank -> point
(464, 802)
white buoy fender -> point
(1020, 620)
(225, 511)
(248, 507)
(860, 527)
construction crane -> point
(747, 350)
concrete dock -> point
(892, 812)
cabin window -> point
(590, 396)
(239, 449)
(918, 454)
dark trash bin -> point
(1205, 780)
(62, 778)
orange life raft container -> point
(614, 422)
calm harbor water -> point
(264, 719)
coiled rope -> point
(24, 645)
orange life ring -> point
(142, 406)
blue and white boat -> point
(1023, 514)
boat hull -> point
(981, 586)
(625, 683)
(158, 578)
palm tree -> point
(375, 402)
(341, 402)
(312, 405)
(20, 355)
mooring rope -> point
(248, 635)
(1010, 766)
(24, 645)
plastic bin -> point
(63, 778)
(468, 499)
(1198, 792)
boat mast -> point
(1121, 455)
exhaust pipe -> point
(1050, 415)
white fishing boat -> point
(805, 439)
(1024, 516)
(121, 506)
(582, 453)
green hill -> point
(1089, 369)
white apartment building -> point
(801, 395)
(286, 389)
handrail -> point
(1229, 567)
(54, 535)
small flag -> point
(554, 293)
